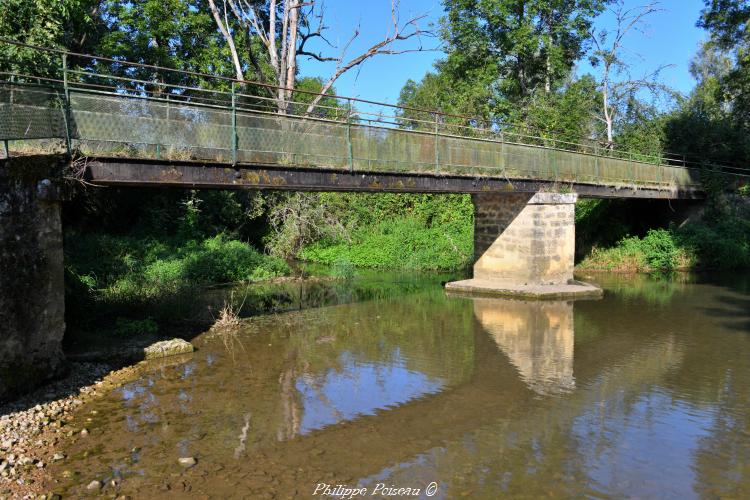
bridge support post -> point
(524, 246)
(32, 296)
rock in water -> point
(167, 348)
(187, 461)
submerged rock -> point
(167, 348)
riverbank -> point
(35, 428)
(130, 285)
(722, 245)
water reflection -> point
(628, 396)
(359, 389)
(537, 336)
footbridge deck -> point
(227, 133)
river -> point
(644, 393)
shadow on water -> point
(295, 295)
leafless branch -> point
(401, 32)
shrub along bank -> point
(112, 279)
(719, 241)
(395, 231)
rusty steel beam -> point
(188, 174)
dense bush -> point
(724, 244)
(401, 231)
(111, 276)
(401, 243)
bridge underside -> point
(189, 174)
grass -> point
(404, 243)
(724, 244)
(130, 278)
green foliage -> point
(114, 261)
(399, 244)
(660, 250)
(71, 24)
(109, 276)
(563, 115)
(724, 244)
(177, 34)
(378, 230)
(346, 230)
(514, 47)
(342, 268)
(728, 22)
(642, 130)
(509, 61)
(705, 126)
(125, 327)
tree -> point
(71, 24)
(704, 127)
(728, 22)
(285, 27)
(176, 34)
(515, 47)
(616, 85)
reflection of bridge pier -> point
(537, 337)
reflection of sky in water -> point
(359, 389)
(635, 448)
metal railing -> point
(146, 111)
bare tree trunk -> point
(296, 29)
(224, 28)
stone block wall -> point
(524, 239)
(31, 274)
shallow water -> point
(645, 393)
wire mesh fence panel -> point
(283, 140)
(392, 150)
(122, 125)
(31, 112)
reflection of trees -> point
(721, 461)
(431, 335)
(535, 451)
(290, 405)
(657, 289)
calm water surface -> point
(645, 393)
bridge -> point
(150, 126)
(216, 132)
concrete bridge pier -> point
(524, 246)
(32, 297)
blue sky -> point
(671, 38)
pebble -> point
(187, 461)
(94, 485)
(31, 427)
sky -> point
(671, 37)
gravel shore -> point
(34, 427)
